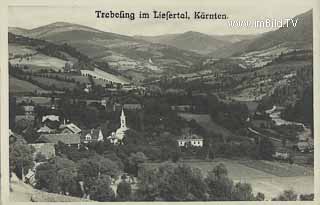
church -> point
(117, 136)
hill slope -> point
(290, 36)
(196, 41)
(122, 52)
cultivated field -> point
(40, 61)
(21, 86)
(77, 77)
(57, 83)
(20, 50)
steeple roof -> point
(122, 112)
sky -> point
(37, 13)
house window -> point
(88, 137)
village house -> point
(304, 146)
(29, 110)
(66, 138)
(281, 155)
(88, 88)
(27, 115)
(192, 140)
(30, 177)
(93, 135)
(50, 124)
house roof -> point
(28, 108)
(74, 128)
(50, 117)
(65, 138)
(190, 137)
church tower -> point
(123, 120)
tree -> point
(260, 196)
(46, 177)
(219, 185)
(66, 171)
(220, 171)
(186, 184)
(134, 160)
(40, 157)
(97, 165)
(87, 169)
(124, 191)
(100, 189)
(106, 166)
(21, 158)
(266, 149)
(242, 192)
(172, 183)
(287, 195)
(306, 197)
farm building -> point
(66, 138)
(192, 140)
(101, 75)
(93, 135)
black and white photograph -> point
(167, 102)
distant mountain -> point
(195, 41)
(235, 38)
(290, 36)
(57, 27)
(51, 30)
(18, 31)
(301, 35)
(123, 52)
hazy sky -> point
(36, 13)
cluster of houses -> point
(70, 134)
(54, 130)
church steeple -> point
(123, 120)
